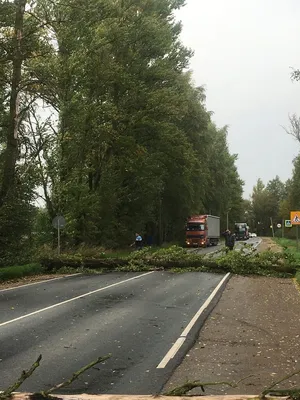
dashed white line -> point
(179, 342)
(73, 299)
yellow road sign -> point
(295, 217)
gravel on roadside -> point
(254, 330)
(269, 244)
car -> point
(252, 235)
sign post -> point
(58, 223)
(295, 220)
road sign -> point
(295, 217)
(59, 222)
(278, 226)
(288, 223)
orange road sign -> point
(295, 217)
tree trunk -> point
(11, 152)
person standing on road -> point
(229, 239)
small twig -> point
(243, 379)
(269, 389)
(74, 376)
(188, 386)
(185, 388)
(25, 374)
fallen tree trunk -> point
(30, 396)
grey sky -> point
(243, 51)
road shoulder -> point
(269, 244)
(254, 330)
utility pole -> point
(227, 219)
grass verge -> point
(20, 271)
(289, 246)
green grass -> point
(19, 271)
(297, 277)
(290, 246)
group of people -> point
(229, 240)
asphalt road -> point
(252, 241)
(140, 318)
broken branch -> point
(279, 391)
(188, 386)
(25, 374)
(75, 376)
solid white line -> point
(179, 342)
(73, 299)
(171, 353)
(36, 283)
(203, 307)
(257, 244)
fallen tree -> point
(244, 262)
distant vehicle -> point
(241, 231)
(202, 231)
(252, 235)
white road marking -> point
(258, 243)
(73, 299)
(179, 342)
(36, 283)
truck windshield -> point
(195, 227)
(240, 228)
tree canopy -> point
(100, 119)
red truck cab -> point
(202, 231)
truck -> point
(241, 231)
(202, 231)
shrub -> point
(19, 271)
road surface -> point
(238, 245)
(145, 320)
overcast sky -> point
(243, 53)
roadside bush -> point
(20, 271)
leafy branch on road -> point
(246, 261)
(6, 394)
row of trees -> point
(272, 203)
(100, 119)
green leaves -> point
(133, 147)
